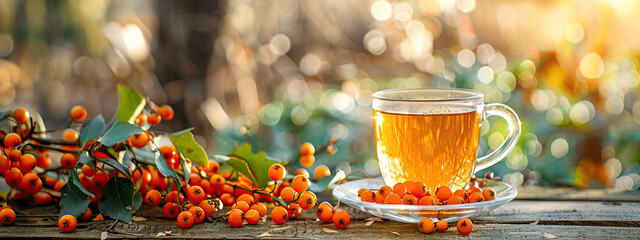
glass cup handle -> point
(505, 112)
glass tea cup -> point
(432, 135)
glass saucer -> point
(348, 193)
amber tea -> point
(437, 149)
(432, 135)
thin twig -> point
(112, 226)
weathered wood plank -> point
(518, 210)
(573, 194)
(307, 229)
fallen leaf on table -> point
(98, 218)
(377, 219)
(268, 233)
(161, 234)
(167, 232)
(369, 223)
(548, 235)
(396, 233)
(138, 219)
(536, 222)
(327, 230)
(104, 235)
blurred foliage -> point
(296, 71)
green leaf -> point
(119, 132)
(137, 201)
(257, 162)
(116, 165)
(126, 160)
(187, 170)
(73, 200)
(131, 104)
(242, 167)
(165, 169)
(117, 199)
(76, 181)
(188, 147)
(86, 160)
(92, 129)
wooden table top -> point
(560, 212)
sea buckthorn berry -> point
(208, 206)
(393, 198)
(302, 171)
(70, 135)
(44, 161)
(242, 206)
(89, 172)
(307, 160)
(443, 193)
(99, 180)
(426, 200)
(13, 177)
(12, 140)
(307, 149)
(341, 219)
(68, 161)
(166, 112)
(306, 200)
(14, 155)
(185, 219)
(293, 210)
(168, 152)
(153, 119)
(455, 200)
(408, 184)
(252, 216)
(78, 113)
(198, 214)
(464, 226)
(170, 210)
(27, 163)
(489, 194)
(325, 213)
(476, 197)
(86, 215)
(153, 197)
(5, 164)
(409, 200)
(41, 198)
(277, 172)
(173, 197)
(442, 225)
(300, 183)
(419, 190)
(473, 189)
(461, 193)
(139, 140)
(426, 225)
(247, 198)
(368, 196)
(214, 167)
(227, 199)
(279, 215)
(21, 115)
(67, 223)
(31, 183)
(216, 180)
(196, 194)
(287, 194)
(399, 189)
(261, 208)
(361, 190)
(59, 184)
(321, 171)
(7, 216)
(325, 203)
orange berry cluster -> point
(415, 193)
(426, 225)
(164, 112)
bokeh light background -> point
(294, 71)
